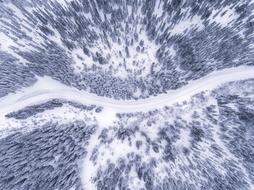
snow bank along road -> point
(46, 88)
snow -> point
(225, 20)
(5, 42)
(187, 25)
(106, 117)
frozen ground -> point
(126, 95)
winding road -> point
(46, 88)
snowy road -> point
(47, 88)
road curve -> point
(46, 88)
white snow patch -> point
(186, 25)
(223, 20)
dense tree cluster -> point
(49, 105)
(124, 49)
(45, 158)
